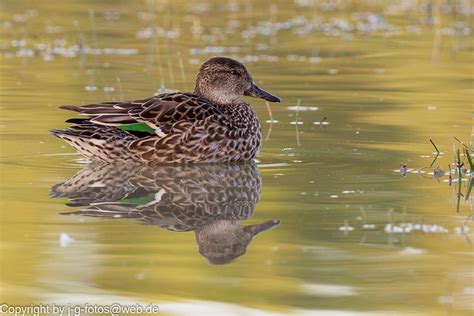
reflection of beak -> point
(256, 92)
(253, 230)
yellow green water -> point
(387, 75)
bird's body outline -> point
(179, 127)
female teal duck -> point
(212, 124)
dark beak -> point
(256, 92)
(253, 230)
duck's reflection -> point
(206, 199)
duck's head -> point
(224, 80)
(222, 241)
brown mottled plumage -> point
(206, 199)
(210, 125)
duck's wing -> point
(161, 111)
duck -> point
(211, 200)
(210, 125)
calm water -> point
(364, 88)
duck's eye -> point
(234, 72)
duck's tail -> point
(98, 142)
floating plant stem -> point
(296, 121)
(450, 175)
(462, 143)
(469, 159)
(469, 188)
(434, 145)
(458, 196)
(269, 109)
(437, 152)
(459, 165)
(270, 114)
(322, 123)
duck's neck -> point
(218, 97)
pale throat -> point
(219, 96)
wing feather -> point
(162, 111)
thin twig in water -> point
(458, 196)
(437, 153)
(469, 159)
(437, 150)
(450, 175)
(296, 123)
(469, 189)
(322, 123)
(270, 114)
(461, 142)
(459, 165)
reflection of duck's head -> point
(206, 199)
(223, 241)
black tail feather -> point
(70, 107)
(78, 120)
(56, 132)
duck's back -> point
(232, 134)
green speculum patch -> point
(139, 200)
(137, 127)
